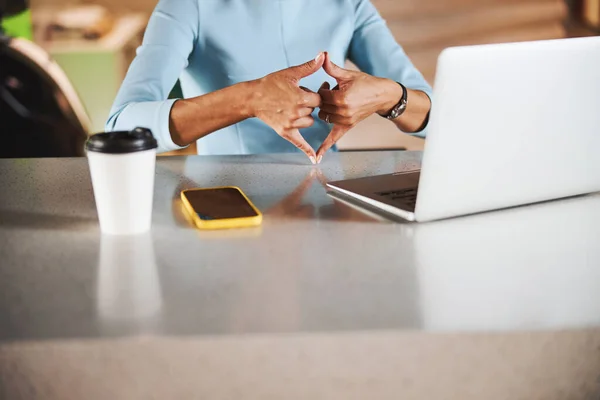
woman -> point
(225, 51)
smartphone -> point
(220, 208)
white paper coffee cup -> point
(122, 166)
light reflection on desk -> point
(501, 270)
(128, 283)
(535, 267)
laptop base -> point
(395, 194)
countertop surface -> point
(497, 305)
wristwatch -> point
(399, 108)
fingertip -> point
(318, 101)
(322, 115)
(327, 60)
(319, 61)
(325, 86)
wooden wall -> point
(425, 27)
(121, 5)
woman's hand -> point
(276, 99)
(281, 103)
(358, 96)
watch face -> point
(398, 110)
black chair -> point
(40, 112)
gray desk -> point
(323, 301)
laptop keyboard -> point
(406, 196)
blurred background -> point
(95, 41)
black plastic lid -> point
(139, 139)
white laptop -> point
(511, 124)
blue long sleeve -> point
(169, 40)
(209, 45)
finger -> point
(294, 137)
(326, 96)
(334, 97)
(307, 69)
(334, 71)
(325, 86)
(305, 122)
(335, 119)
(305, 112)
(311, 100)
(335, 110)
(336, 134)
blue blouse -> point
(212, 44)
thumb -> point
(307, 69)
(335, 71)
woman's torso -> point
(242, 40)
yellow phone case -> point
(230, 223)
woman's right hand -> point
(281, 103)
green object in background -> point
(176, 93)
(18, 25)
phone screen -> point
(214, 204)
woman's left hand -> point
(357, 96)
